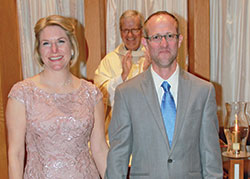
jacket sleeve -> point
(120, 136)
(209, 140)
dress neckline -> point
(54, 93)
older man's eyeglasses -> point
(168, 37)
(133, 31)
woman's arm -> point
(16, 126)
(99, 147)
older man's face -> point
(131, 32)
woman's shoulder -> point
(20, 90)
(90, 88)
(88, 85)
(24, 84)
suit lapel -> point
(150, 94)
(184, 89)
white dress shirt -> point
(172, 80)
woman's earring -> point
(72, 53)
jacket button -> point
(170, 160)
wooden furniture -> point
(236, 167)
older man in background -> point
(125, 62)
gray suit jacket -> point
(137, 128)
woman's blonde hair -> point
(66, 24)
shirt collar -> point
(172, 80)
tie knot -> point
(166, 86)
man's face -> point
(164, 51)
(131, 32)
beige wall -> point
(10, 68)
(95, 33)
(3, 153)
(198, 38)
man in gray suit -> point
(141, 125)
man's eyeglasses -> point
(133, 31)
(168, 37)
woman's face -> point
(55, 48)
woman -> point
(55, 114)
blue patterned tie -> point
(168, 111)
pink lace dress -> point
(58, 130)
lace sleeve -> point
(17, 92)
(98, 95)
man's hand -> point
(147, 61)
(126, 65)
